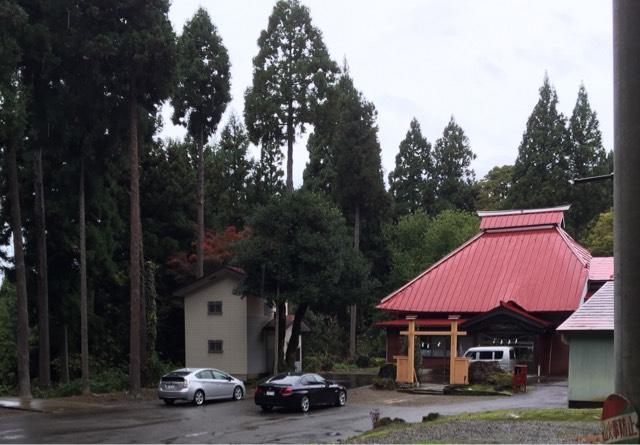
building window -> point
(214, 307)
(215, 346)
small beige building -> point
(225, 330)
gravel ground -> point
(494, 431)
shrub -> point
(362, 361)
(500, 380)
(344, 365)
(387, 371)
(479, 372)
(319, 362)
(377, 361)
(384, 383)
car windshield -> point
(285, 379)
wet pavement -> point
(241, 422)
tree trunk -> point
(295, 333)
(134, 246)
(65, 355)
(24, 378)
(84, 330)
(354, 307)
(200, 198)
(290, 141)
(282, 332)
(143, 318)
(44, 358)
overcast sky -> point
(482, 61)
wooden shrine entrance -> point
(405, 366)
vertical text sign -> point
(619, 420)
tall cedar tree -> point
(41, 68)
(454, 177)
(347, 139)
(142, 47)
(300, 251)
(587, 157)
(540, 175)
(233, 202)
(492, 191)
(411, 182)
(201, 95)
(290, 76)
(85, 99)
(12, 126)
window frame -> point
(214, 303)
(213, 350)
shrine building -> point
(512, 284)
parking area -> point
(150, 421)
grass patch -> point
(548, 414)
(542, 414)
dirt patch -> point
(369, 396)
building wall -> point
(256, 336)
(230, 327)
(591, 367)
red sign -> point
(619, 421)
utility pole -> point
(626, 219)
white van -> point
(504, 355)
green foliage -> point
(587, 157)
(291, 72)
(377, 361)
(500, 380)
(300, 252)
(600, 237)
(411, 183)
(362, 361)
(203, 81)
(318, 362)
(540, 175)
(492, 191)
(8, 357)
(452, 165)
(233, 198)
(384, 383)
(344, 162)
(417, 241)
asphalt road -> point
(243, 422)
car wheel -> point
(237, 393)
(198, 398)
(304, 404)
(266, 408)
(168, 401)
(342, 398)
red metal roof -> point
(541, 269)
(421, 322)
(596, 314)
(601, 269)
(521, 218)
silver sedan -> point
(198, 385)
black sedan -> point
(299, 391)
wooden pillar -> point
(454, 346)
(411, 346)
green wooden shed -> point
(589, 332)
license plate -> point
(170, 387)
(270, 393)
